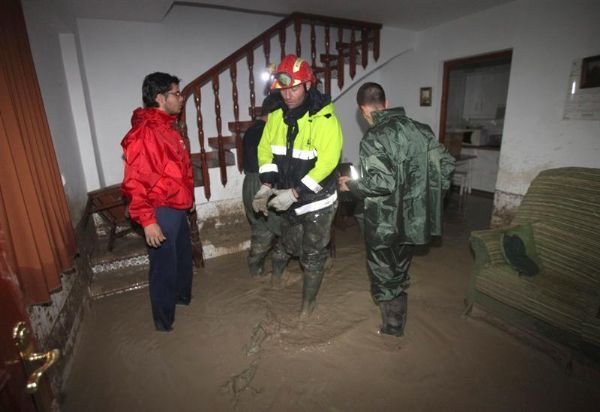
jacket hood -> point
(315, 102)
(382, 115)
(143, 115)
(318, 101)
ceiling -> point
(407, 14)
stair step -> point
(320, 73)
(255, 111)
(357, 43)
(244, 125)
(228, 142)
(123, 280)
(333, 58)
(321, 69)
(123, 269)
(225, 234)
(212, 160)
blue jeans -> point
(170, 274)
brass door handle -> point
(50, 358)
(25, 344)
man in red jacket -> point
(159, 185)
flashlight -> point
(353, 173)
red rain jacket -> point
(158, 171)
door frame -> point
(449, 65)
(13, 376)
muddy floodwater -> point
(241, 346)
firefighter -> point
(298, 156)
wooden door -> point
(13, 377)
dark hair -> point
(370, 94)
(271, 103)
(154, 84)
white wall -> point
(536, 137)
(44, 23)
(118, 54)
(396, 44)
(546, 36)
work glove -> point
(259, 203)
(283, 199)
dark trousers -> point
(388, 270)
(170, 267)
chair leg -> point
(197, 252)
(111, 237)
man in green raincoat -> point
(405, 173)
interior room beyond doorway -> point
(473, 105)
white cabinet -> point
(484, 168)
(485, 91)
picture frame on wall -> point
(425, 96)
(590, 72)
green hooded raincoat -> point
(405, 173)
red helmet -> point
(291, 72)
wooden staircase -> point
(352, 41)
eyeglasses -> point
(176, 94)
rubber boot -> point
(256, 269)
(277, 280)
(310, 289)
(393, 314)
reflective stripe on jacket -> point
(310, 165)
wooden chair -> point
(110, 204)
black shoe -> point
(162, 328)
(183, 300)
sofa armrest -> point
(486, 247)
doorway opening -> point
(474, 96)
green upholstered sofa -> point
(562, 302)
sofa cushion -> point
(549, 297)
(519, 251)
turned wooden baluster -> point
(298, 31)
(340, 59)
(327, 62)
(267, 51)
(236, 116)
(222, 163)
(313, 45)
(199, 122)
(197, 252)
(250, 61)
(364, 37)
(282, 41)
(352, 70)
(376, 44)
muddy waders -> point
(307, 237)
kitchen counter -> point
(472, 146)
(484, 166)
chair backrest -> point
(568, 196)
(109, 203)
(564, 207)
